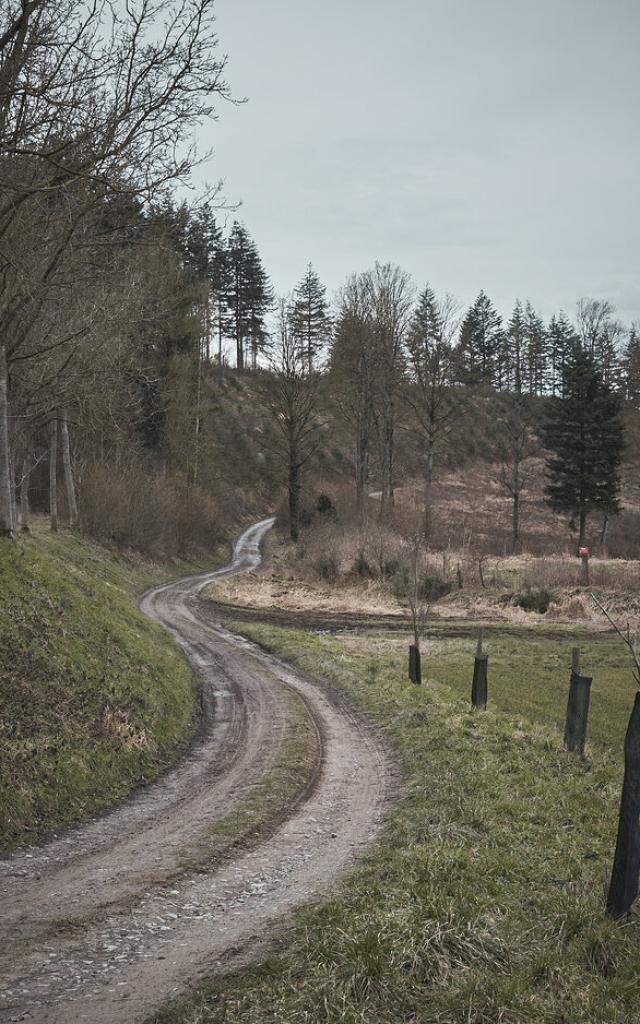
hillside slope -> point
(95, 699)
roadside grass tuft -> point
(483, 903)
(95, 699)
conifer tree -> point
(630, 367)
(480, 339)
(515, 342)
(431, 365)
(534, 351)
(248, 296)
(584, 436)
(309, 316)
(561, 338)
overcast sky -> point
(478, 143)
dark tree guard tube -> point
(575, 730)
(626, 863)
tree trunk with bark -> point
(294, 498)
(53, 474)
(428, 491)
(7, 523)
(603, 536)
(515, 514)
(25, 508)
(72, 501)
(387, 498)
(362, 477)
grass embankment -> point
(95, 699)
(483, 903)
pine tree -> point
(584, 436)
(309, 317)
(247, 297)
(480, 342)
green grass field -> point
(95, 699)
(483, 902)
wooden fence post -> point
(626, 863)
(575, 729)
(415, 669)
(479, 685)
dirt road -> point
(110, 920)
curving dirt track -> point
(110, 920)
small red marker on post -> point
(584, 558)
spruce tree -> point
(480, 342)
(430, 394)
(309, 316)
(515, 342)
(248, 296)
(561, 338)
(534, 351)
(584, 436)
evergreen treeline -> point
(120, 307)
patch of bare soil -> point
(112, 919)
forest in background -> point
(147, 366)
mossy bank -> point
(95, 699)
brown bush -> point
(156, 515)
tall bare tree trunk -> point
(387, 502)
(516, 489)
(25, 508)
(7, 523)
(72, 501)
(517, 545)
(362, 476)
(14, 507)
(582, 538)
(53, 473)
(294, 494)
(603, 536)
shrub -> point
(433, 587)
(158, 516)
(361, 565)
(327, 566)
(534, 600)
(326, 507)
(391, 567)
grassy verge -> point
(483, 903)
(95, 699)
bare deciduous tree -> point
(389, 295)
(97, 101)
(519, 444)
(352, 364)
(292, 397)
